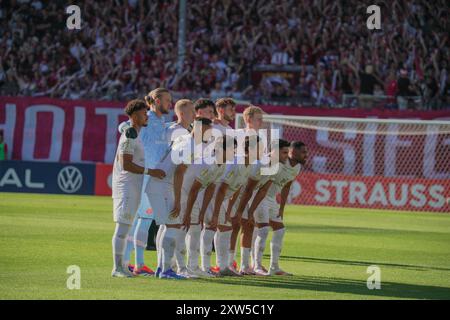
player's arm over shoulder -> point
(124, 126)
(127, 142)
(126, 150)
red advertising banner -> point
(347, 191)
(371, 192)
(103, 179)
(47, 129)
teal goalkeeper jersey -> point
(154, 139)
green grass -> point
(328, 250)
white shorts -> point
(160, 195)
(197, 206)
(195, 213)
(125, 210)
(268, 210)
(222, 212)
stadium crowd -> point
(126, 47)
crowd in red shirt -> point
(126, 48)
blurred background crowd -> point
(290, 52)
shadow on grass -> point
(360, 263)
(335, 285)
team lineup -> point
(199, 199)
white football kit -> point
(268, 209)
(160, 191)
(255, 174)
(127, 186)
(203, 173)
(235, 176)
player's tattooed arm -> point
(178, 178)
(223, 187)
(209, 192)
(260, 195)
(284, 196)
(251, 185)
(192, 197)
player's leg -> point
(194, 241)
(193, 246)
(222, 243)
(180, 247)
(130, 245)
(168, 243)
(118, 244)
(276, 246)
(250, 235)
(236, 227)
(262, 232)
(253, 242)
(206, 244)
(140, 235)
(162, 203)
(170, 239)
(158, 248)
(191, 249)
(193, 237)
(141, 212)
(140, 243)
(206, 241)
(124, 213)
(246, 246)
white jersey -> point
(203, 173)
(286, 173)
(235, 176)
(221, 128)
(176, 155)
(175, 131)
(255, 174)
(126, 184)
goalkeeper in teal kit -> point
(154, 139)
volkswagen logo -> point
(70, 179)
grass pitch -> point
(328, 250)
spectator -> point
(280, 57)
(126, 47)
(404, 90)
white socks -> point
(252, 251)
(193, 245)
(260, 245)
(207, 237)
(222, 245)
(119, 242)
(245, 258)
(168, 241)
(231, 256)
(180, 249)
(275, 247)
(158, 244)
